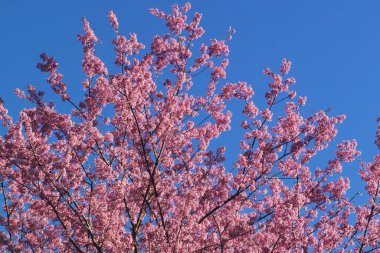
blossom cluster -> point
(131, 168)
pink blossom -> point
(231, 31)
(89, 37)
(377, 141)
(267, 115)
(302, 101)
(218, 72)
(48, 65)
(285, 67)
(55, 80)
(346, 151)
(290, 81)
(218, 48)
(186, 7)
(292, 94)
(113, 21)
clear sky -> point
(334, 47)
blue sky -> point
(334, 47)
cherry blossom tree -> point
(141, 176)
